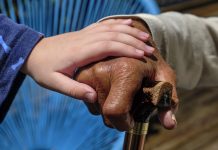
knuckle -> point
(128, 47)
(99, 70)
(114, 111)
(107, 21)
(105, 45)
(114, 35)
(105, 27)
(140, 44)
(125, 63)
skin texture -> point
(116, 81)
(54, 60)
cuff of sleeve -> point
(176, 44)
(171, 32)
(154, 25)
(162, 35)
(15, 60)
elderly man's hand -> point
(116, 81)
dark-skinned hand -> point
(117, 80)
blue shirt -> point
(16, 43)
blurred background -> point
(43, 120)
(204, 8)
(197, 115)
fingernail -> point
(128, 21)
(144, 35)
(140, 52)
(149, 49)
(174, 119)
(90, 97)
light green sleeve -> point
(188, 43)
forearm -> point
(16, 42)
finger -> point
(117, 21)
(122, 38)
(107, 22)
(167, 119)
(83, 76)
(93, 108)
(102, 93)
(103, 49)
(63, 84)
(119, 102)
(122, 29)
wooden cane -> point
(153, 96)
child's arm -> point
(52, 61)
(16, 43)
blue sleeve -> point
(16, 43)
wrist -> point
(31, 59)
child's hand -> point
(53, 61)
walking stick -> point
(153, 96)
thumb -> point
(67, 86)
(167, 119)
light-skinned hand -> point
(53, 61)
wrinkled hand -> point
(54, 60)
(117, 80)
